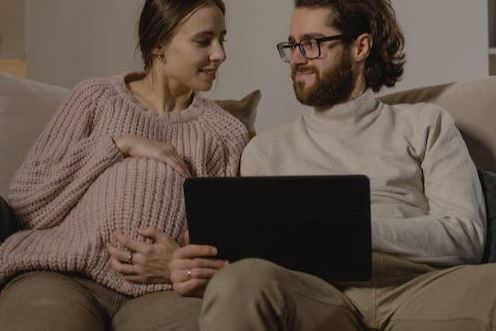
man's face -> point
(328, 79)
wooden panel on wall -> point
(13, 67)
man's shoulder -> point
(416, 109)
(418, 113)
(276, 136)
(266, 151)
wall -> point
(69, 40)
(439, 49)
(446, 40)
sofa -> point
(26, 106)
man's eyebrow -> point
(307, 36)
(312, 35)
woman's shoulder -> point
(221, 121)
(99, 86)
(218, 115)
(91, 84)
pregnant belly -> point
(136, 193)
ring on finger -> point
(188, 274)
(130, 258)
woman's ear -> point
(158, 50)
(362, 47)
(160, 53)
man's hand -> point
(149, 262)
(245, 109)
(136, 146)
(192, 267)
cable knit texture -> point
(76, 189)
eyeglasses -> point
(310, 47)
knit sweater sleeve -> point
(63, 162)
(453, 231)
(235, 146)
(233, 136)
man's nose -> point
(297, 57)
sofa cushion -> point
(472, 104)
(25, 108)
(8, 221)
(488, 181)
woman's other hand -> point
(192, 267)
(136, 146)
(147, 263)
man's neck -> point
(358, 90)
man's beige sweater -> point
(76, 189)
(426, 200)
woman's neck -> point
(156, 92)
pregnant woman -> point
(113, 160)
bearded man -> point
(428, 212)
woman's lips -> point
(209, 74)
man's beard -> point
(332, 87)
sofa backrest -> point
(26, 106)
(473, 105)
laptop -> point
(314, 224)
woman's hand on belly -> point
(136, 146)
(144, 263)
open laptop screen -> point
(314, 224)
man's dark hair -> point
(159, 20)
(384, 66)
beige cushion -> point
(473, 105)
(25, 108)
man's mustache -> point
(302, 69)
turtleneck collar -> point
(344, 116)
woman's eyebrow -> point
(208, 33)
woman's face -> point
(193, 56)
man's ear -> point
(362, 47)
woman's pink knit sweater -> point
(76, 189)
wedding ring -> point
(188, 273)
(130, 258)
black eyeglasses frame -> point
(292, 45)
